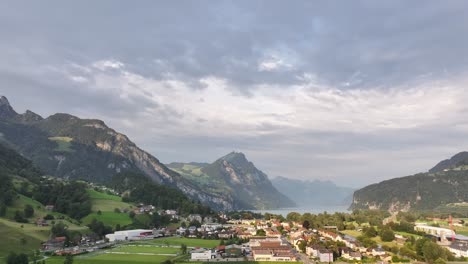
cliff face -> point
(236, 178)
(67, 146)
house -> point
(401, 240)
(49, 207)
(459, 249)
(325, 255)
(41, 222)
(226, 235)
(202, 255)
(313, 250)
(376, 252)
(349, 254)
(54, 244)
(195, 217)
(170, 212)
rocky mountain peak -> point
(29, 116)
(238, 159)
(6, 111)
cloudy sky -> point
(351, 91)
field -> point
(63, 144)
(107, 203)
(148, 251)
(190, 242)
(110, 258)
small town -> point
(274, 240)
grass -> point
(64, 144)
(110, 259)
(190, 242)
(106, 203)
(108, 218)
(11, 240)
(146, 249)
(353, 233)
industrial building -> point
(128, 235)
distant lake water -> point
(303, 210)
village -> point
(269, 240)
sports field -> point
(147, 251)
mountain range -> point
(313, 193)
(66, 146)
(446, 184)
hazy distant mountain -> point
(444, 185)
(315, 193)
(66, 146)
(237, 179)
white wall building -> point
(128, 235)
(201, 255)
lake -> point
(302, 210)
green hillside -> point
(424, 191)
(14, 238)
(107, 205)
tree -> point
(261, 232)
(293, 216)
(370, 232)
(387, 235)
(183, 249)
(306, 224)
(59, 229)
(131, 214)
(302, 246)
(19, 217)
(433, 252)
(28, 211)
(14, 258)
(68, 259)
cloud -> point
(357, 94)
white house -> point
(325, 255)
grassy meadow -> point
(107, 203)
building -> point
(54, 244)
(272, 251)
(459, 249)
(195, 217)
(202, 255)
(442, 233)
(325, 255)
(128, 235)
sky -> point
(354, 92)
